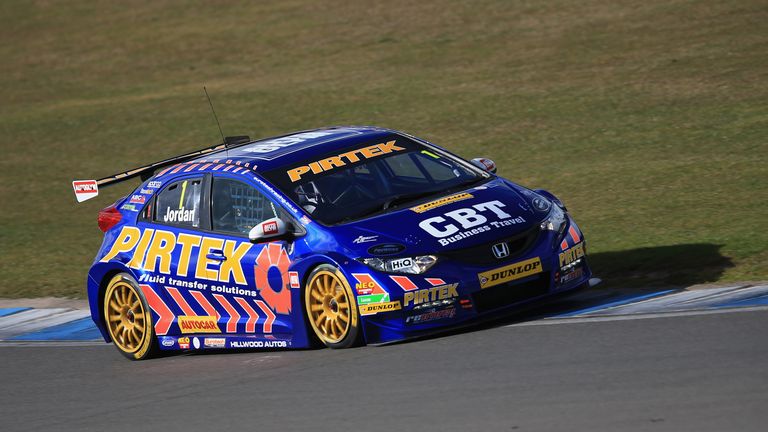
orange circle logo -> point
(278, 297)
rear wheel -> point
(129, 320)
(331, 308)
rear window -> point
(179, 203)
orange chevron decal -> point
(157, 304)
(270, 316)
(234, 317)
(207, 306)
(405, 282)
(253, 317)
(574, 235)
(179, 299)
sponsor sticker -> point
(401, 263)
(196, 343)
(258, 344)
(366, 284)
(85, 189)
(138, 199)
(412, 298)
(341, 160)
(365, 239)
(293, 278)
(167, 341)
(147, 191)
(129, 207)
(441, 202)
(431, 316)
(374, 308)
(462, 223)
(150, 251)
(198, 324)
(572, 254)
(214, 342)
(154, 184)
(386, 249)
(575, 274)
(269, 227)
(184, 342)
(510, 272)
(269, 146)
(372, 298)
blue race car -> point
(337, 236)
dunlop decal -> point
(441, 202)
(510, 272)
(374, 308)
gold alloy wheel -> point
(126, 317)
(329, 307)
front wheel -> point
(128, 318)
(331, 308)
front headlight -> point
(410, 265)
(554, 220)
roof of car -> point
(269, 153)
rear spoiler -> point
(87, 189)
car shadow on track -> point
(675, 265)
(625, 274)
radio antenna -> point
(215, 117)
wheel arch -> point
(309, 264)
(99, 278)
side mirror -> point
(270, 228)
(484, 164)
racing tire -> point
(331, 308)
(128, 318)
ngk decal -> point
(465, 222)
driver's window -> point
(236, 207)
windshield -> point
(371, 178)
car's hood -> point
(477, 215)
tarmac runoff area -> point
(674, 360)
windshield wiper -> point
(402, 199)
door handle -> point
(216, 255)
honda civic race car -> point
(337, 236)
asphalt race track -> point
(700, 370)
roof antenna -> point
(215, 117)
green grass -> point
(649, 119)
